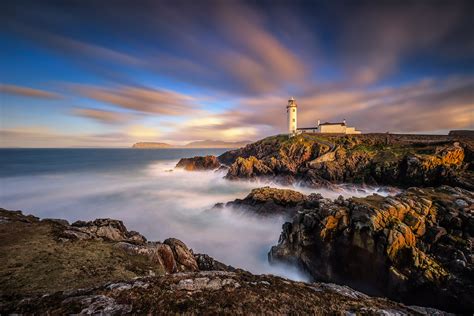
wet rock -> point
(268, 201)
(411, 247)
(199, 163)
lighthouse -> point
(291, 111)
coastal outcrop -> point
(415, 247)
(51, 267)
(269, 201)
(323, 160)
(199, 163)
(319, 160)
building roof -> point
(307, 128)
(327, 123)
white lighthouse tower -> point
(291, 111)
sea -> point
(144, 190)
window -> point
(294, 120)
(294, 110)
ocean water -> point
(142, 188)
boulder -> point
(267, 201)
(199, 163)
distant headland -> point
(195, 144)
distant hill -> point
(196, 144)
(146, 145)
(216, 144)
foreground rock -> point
(40, 256)
(319, 160)
(415, 247)
(213, 292)
(99, 267)
(199, 163)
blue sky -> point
(108, 74)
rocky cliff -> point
(415, 247)
(401, 160)
(377, 159)
(99, 267)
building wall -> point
(292, 119)
(340, 129)
(351, 130)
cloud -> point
(27, 92)
(377, 38)
(140, 99)
(422, 106)
(103, 116)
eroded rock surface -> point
(213, 292)
(199, 163)
(415, 247)
(268, 201)
(319, 160)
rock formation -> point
(270, 201)
(199, 163)
(322, 160)
(415, 247)
(99, 267)
(49, 254)
(401, 160)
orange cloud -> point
(27, 92)
(103, 116)
(146, 100)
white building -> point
(336, 128)
(331, 128)
(291, 111)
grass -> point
(33, 262)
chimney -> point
(319, 122)
(344, 121)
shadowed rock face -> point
(199, 163)
(213, 292)
(319, 160)
(415, 247)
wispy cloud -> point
(103, 116)
(27, 92)
(140, 99)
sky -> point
(110, 73)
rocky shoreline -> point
(99, 267)
(414, 247)
(321, 160)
